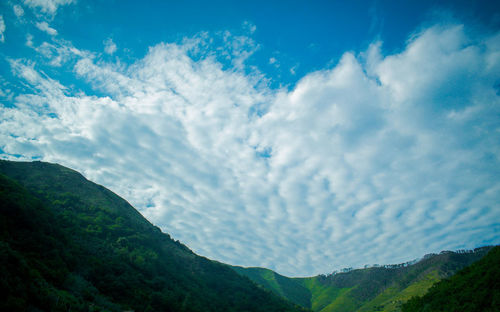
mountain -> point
(67, 244)
(475, 288)
(383, 288)
(290, 288)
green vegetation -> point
(278, 284)
(475, 288)
(67, 244)
(321, 295)
(392, 297)
(372, 289)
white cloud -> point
(273, 61)
(2, 29)
(44, 26)
(109, 46)
(18, 10)
(379, 159)
(29, 40)
(58, 52)
(47, 6)
(249, 27)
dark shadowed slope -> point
(474, 289)
(67, 244)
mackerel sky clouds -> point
(302, 136)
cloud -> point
(44, 26)
(380, 159)
(273, 61)
(109, 46)
(18, 10)
(2, 29)
(29, 40)
(58, 52)
(47, 6)
(249, 27)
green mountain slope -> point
(371, 289)
(67, 244)
(475, 288)
(279, 284)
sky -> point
(301, 136)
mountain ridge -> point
(378, 288)
(474, 288)
(69, 244)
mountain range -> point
(68, 244)
(380, 288)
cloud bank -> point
(379, 159)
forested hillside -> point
(67, 244)
(474, 289)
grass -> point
(393, 297)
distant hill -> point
(383, 288)
(67, 244)
(474, 289)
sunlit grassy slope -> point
(371, 289)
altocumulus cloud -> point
(378, 159)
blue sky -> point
(302, 136)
